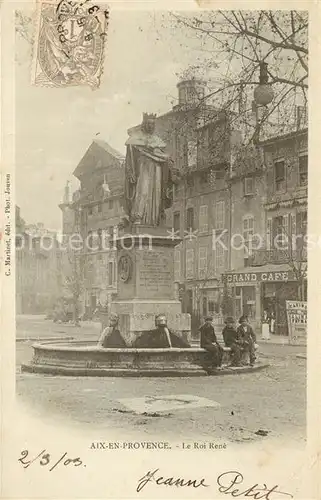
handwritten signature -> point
(226, 482)
(46, 459)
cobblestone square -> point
(272, 400)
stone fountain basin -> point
(87, 359)
(79, 358)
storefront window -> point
(249, 302)
(245, 302)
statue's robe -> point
(148, 182)
(158, 339)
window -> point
(248, 232)
(95, 241)
(190, 219)
(220, 215)
(191, 153)
(280, 231)
(301, 223)
(213, 302)
(99, 208)
(202, 262)
(105, 239)
(90, 240)
(90, 210)
(248, 186)
(204, 306)
(269, 234)
(176, 221)
(279, 172)
(189, 263)
(203, 222)
(177, 264)
(219, 257)
(285, 226)
(190, 181)
(100, 239)
(303, 170)
(204, 177)
(110, 204)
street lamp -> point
(263, 93)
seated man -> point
(111, 336)
(231, 339)
(160, 337)
(210, 343)
(247, 338)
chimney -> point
(190, 92)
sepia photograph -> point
(161, 230)
(161, 221)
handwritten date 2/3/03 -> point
(46, 460)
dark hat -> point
(243, 318)
(229, 319)
(208, 318)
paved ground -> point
(36, 327)
(273, 400)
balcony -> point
(276, 256)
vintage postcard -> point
(160, 202)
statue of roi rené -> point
(148, 177)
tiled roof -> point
(92, 159)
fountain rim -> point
(76, 345)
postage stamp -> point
(70, 42)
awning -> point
(268, 273)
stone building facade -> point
(94, 212)
(38, 268)
(274, 215)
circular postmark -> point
(125, 268)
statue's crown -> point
(148, 116)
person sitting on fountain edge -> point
(111, 336)
(209, 343)
(247, 338)
(159, 338)
(232, 340)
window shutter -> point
(213, 257)
(286, 232)
(214, 216)
(269, 234)
(293, 224)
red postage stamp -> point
(70, 42)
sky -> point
(55, 126)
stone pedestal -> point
(145, 283)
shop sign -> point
(296, 312)
(259, 277)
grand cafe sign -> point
(259, 277)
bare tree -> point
(74, 280)
(235, 46)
